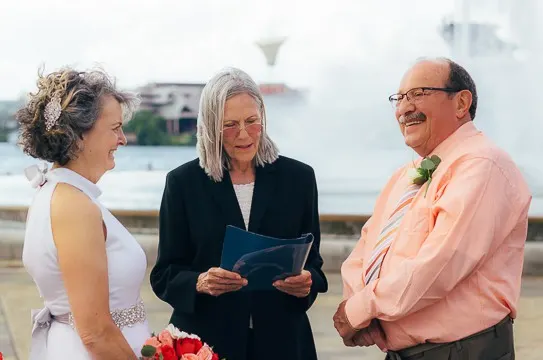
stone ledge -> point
(146, 221)
(334, 250)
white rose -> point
(175, 332)
(412, 173)
(193, 336)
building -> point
(177, 103)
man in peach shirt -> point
(436, 273)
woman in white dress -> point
(86, 265)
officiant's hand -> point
(298, 286)
(217, 281)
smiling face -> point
(101, 142)
(428, 117)
(242, 128)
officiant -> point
(238, 179)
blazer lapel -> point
(262, 195)
(225, 197)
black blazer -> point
(193, 216)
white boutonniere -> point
(423, 173)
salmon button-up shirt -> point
(454, 267)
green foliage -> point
(421, 178)
(150, 129)
(148, 351)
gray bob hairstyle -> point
(227, 83)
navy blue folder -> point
(263, 259)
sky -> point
(188, 40)
(329, 43)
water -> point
(131, 185)
(348, 183)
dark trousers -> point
(251, 345)
(494, 343)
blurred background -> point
(326, 70)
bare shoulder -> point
(68, 202)
(78, 233)
(72, 210)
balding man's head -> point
(435, 97)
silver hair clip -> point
(52, 112)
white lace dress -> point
(53, 336)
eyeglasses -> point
(233, 128)
(416, 95)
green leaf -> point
(427, 164)
(148, 351)
(419, 180)
(427, 186)
(435, 159)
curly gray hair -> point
(224, 85)
(81, 95)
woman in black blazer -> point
(240, 180)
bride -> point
(86, 265)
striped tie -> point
(388, 233)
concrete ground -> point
(18, 295)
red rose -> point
(168, 353)
(215, 356)
(188, 346)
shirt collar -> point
(464, 132)
(73, 178)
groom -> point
(436, 273)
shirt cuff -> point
(357, 310)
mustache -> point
(412, 116)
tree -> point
(150, 129)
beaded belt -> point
(42, 318)
(121, 317)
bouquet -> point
(173, 344)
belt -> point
(42, 319)
(420, 348)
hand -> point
(217, 281)
(298, 286)
(372, 335)
(343, 326)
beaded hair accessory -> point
(52, 112)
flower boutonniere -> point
(424, 172)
